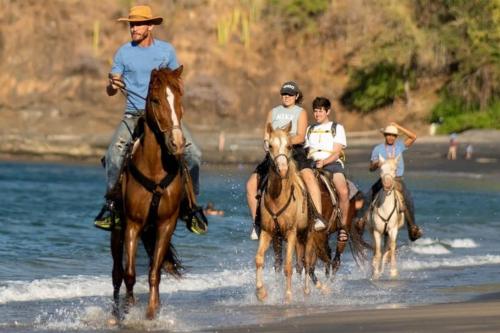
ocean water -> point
(55, 266)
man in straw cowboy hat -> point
(130, 73)
(391, 148)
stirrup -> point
(196, 221)
(107, 219)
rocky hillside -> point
(56, 55)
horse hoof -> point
(288, 297)
(307, 291)
(150, 314)
(112, 322)
(325, 290)
(261, 294)
(376, 276)
(394, 273)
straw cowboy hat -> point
(141, 14)
(390, 130)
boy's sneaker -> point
(319, 224)
(253, 234)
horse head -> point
(280, 148)
(388, 169)
(164, 108)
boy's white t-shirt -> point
(320, 140)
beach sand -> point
(482, 315)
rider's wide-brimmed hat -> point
(141, 13)
(391, 129)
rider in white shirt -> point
(325, 141)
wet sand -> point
(482, 315)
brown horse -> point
(283, 208)
(152, 189)
(319, 240)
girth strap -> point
(156, 189)
(385, 220)
(277, 214)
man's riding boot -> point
(414, 231)
(191, 213)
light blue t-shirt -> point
(135, 64)
(281, 116)
(391, 151)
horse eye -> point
(288, 146)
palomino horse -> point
(283, 208)
(385, 218)
(152, 190)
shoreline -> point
(481, 314)
(427, 155)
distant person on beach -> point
(391, 148)
(288, 111)
(130, 74)
(468, 152)
(453, 147)
(325, 143)
(211, 210)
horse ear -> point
(381, 158)
(288, 127)
(178, 71)
(269, 128)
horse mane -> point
(293, 176)
(163, 77)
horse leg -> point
(300, 255)
(116, 243)
(341, 244)
(264, 242)
(392, 249)
(377, 239)
(290, 247)
(385, 255)
(278, 257)
(164, 233)
(131, 236)
(310, 263)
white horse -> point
(386, 218)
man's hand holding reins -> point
(115, 82)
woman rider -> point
(289, 111)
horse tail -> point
(171, 263)
(359, 247)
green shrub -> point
(454, 115)
(372, 88)
(298, 14)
